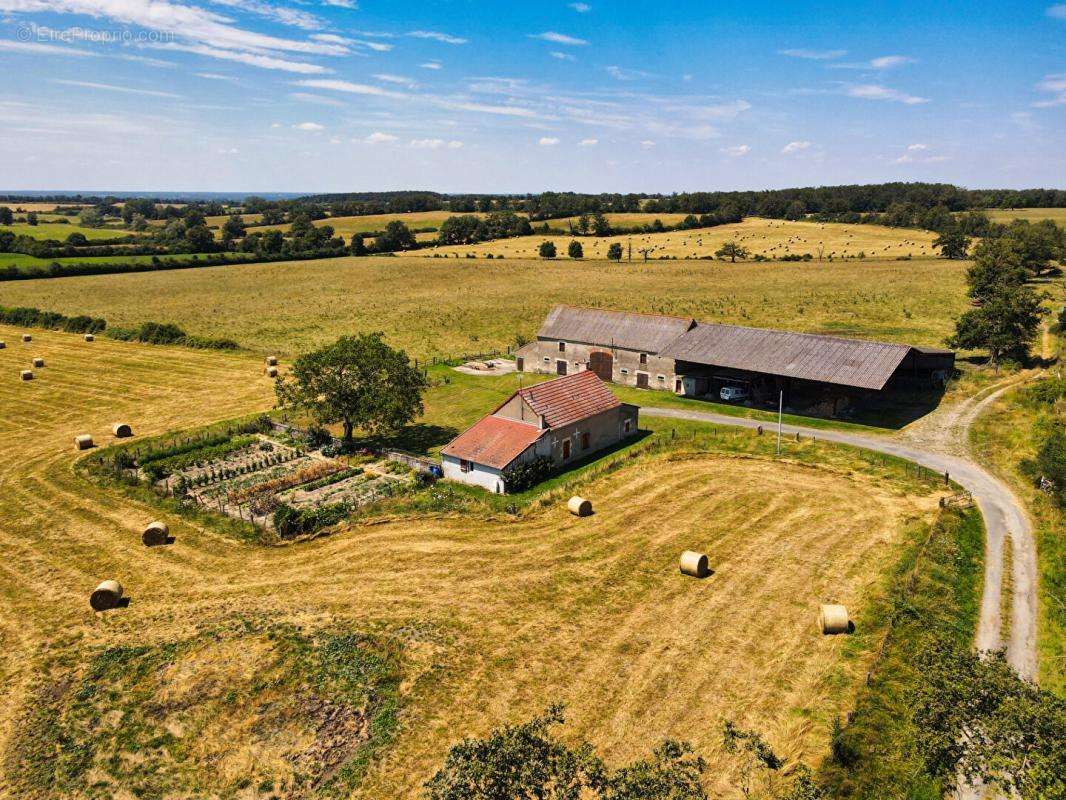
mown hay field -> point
(19, 207)
(1030, 214)
(765, 237)
(494, 616)
(348, 226)
(437, 307)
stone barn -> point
(566, 419)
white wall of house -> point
(478, 474)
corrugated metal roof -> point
(648, 333)
(829, 359)
(570, 398)
(494, 441)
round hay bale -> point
(27, 375)
(38, 362)
(833, 619)
(106, 596)
(89, 337)
(272, 372)
(3, 345)
(758, 431)
(271, 361)
(579, 506)
(694, 564)
(27, 338)
(155, 534)
(83, 442)
(121, 430)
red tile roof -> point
(570, 398)
(494, 441)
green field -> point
(446, 308)
(1030, 214)
(60, 232)
(31, 262)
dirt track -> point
(1003, 513)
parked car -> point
(733, 393)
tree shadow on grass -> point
(417, 439)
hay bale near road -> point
(38, 362)
(27, 338)
(155, 534)
(271, 361)
(833, 619)
(106, 596)
(89, 337)
(121, 430)
(27, 375)
(579, 506)
(83, 442)
(272, 372)
(694, 564)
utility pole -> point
(780, 414)
(630, 240)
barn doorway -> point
(602, 363)
(520, 364)
(642, 380)
(566, 449)
(560, 367)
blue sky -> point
(336, 95)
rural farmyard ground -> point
(574, 401)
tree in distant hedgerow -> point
(614, 252)
(575, 250)
(732, 251)
(547, 249)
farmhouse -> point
(696, 359)
(566, 419)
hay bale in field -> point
(271, 361)
(579, 506)
(106, 596)
(2, 345)
(27, 375)
(121, 430)
(38, 362)
(155, 534)
(89, 337)
(83, 442)
(694, 564)
(27, 338)
(833, 619)
(272, 372)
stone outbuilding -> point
(566, 419)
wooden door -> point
(560, 367)
(642, 380)
(520, 364)
(566, 449)
(602, 363)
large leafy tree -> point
(1005, 324)
(953, 243)
(732, 251)
(358, 382)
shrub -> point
(547, 249)
(290, 522)
(528, 474)
(575, 250)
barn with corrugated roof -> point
(814, 371)
(566, 420)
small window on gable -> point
(547, 359)
(466, 466)
(562, 347)
(624, 371)
(628, 425)
(662, 378)
(644, 359)
(585, 441)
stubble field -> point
(495, 616)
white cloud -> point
(38, 48)
(624, 74)
(504, 111)
(737, 150)
(1056, 85)
(588, 142)
(435, 144)
(350, 4)
(558, 38)
(377, 137)
(914, 156)
(107, 87)
(214, 76)
(430, 65)
(399, 79)
(916, 147)
(286, 16)
(330, 38)
(348, 87)
(870, 91)
(814, 55)
(1057, 11)
(316, 99)
(887, 62)
(647, 144)
(308, 126)
(581, 8)
(252, 59)
(379, 47)
(437, 36)
(548, 141)
(562, 56)
(795, 147)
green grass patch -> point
(60, 232)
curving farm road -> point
(945, 451)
